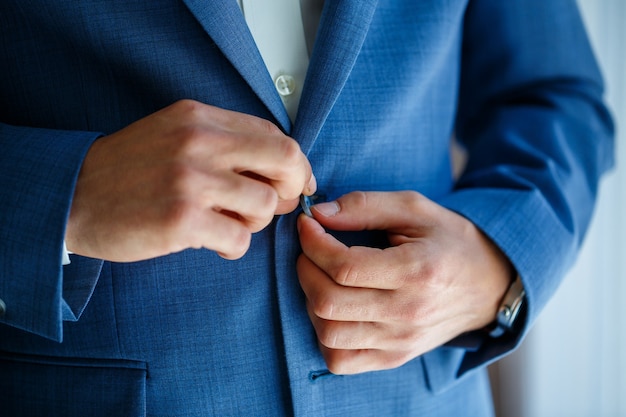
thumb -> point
(368, 211)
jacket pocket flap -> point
(50, 386)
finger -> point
(290, 174)
(354, 335)
(287, 206)
(348, 334)
(350, 362)
(254, 202)
(233, 248)
(331, 301)
(245, 143)
(376, 211)
(357, 266)
(215, 231)
(277, 158)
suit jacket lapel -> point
(343, 27)
(224, 22)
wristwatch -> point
(509, 309)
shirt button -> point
(3, 308)
(285, 84)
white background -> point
(573, 363)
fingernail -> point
(326, 209)
(311, 187)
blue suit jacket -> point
(390, 82)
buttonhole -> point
(315, 376)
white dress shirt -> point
(284, 32)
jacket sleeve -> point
(38, 172)
(538, 139)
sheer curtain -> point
(573, 362)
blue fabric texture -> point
(389, 84)
(115, 387)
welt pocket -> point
(32, 385)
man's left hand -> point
(375, 309)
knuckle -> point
(327, 335)
(397, 360)
(291, 149)
(412, 199)
(239, 243)
(324, 306)
(269, 127)
(336, 367)
(433, 276)
(413, 195)
(292, 171)
(188, 108)
(267, 200)
(418, 204)
(346, 273)
(290, 153)
(357, 200)
(258, 224)
(337, 363)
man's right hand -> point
(188, 176)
